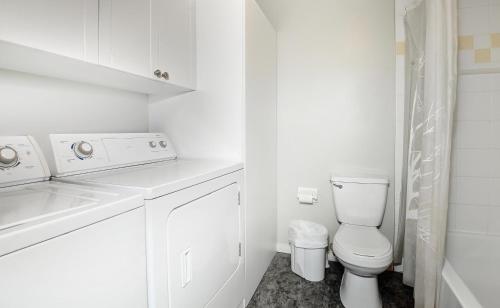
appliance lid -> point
(362, 241)
(161, 178)
(35, 212)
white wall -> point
(260, 144)
(335, 100)
(209, 121)
(39, 106)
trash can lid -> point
(307, 234)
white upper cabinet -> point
(145, 45)
(65, 27)
(173, 40)
(124, 33)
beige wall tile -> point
(495, 40)
(465, 42)
(400, 48)
(482, 55)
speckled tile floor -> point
(281, 288)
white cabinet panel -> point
(66, 27)
(260, 145)
(124, 31)
(173, 40)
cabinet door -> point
(173, 40)
(66, 27)
(124, 31)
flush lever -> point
(339, 186)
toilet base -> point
(359, 292)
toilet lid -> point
(364, 241)
(362, 244)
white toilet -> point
(358, 244)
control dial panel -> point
(82, 149)
(21, 161)
(81, 153)
(8, 157)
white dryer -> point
(193, 214)
(66, 245)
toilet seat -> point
(362, 246)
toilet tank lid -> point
(360, 179)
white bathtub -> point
(471, 274)
(454, 291)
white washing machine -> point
(66, 245)
(193, 214)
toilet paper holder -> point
(307, 195)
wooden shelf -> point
(39, 62)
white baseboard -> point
(283, 247)
(398, 268)
(331, 256)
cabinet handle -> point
(165, 76)
(157, 73)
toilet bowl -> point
(365, 253)
(358, 244)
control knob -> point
(8, 157)
(163, 144)
(83, 149)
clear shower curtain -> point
(431, 78)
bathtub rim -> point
(459, 288)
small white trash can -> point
(308, 242)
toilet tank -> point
(360, 200)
